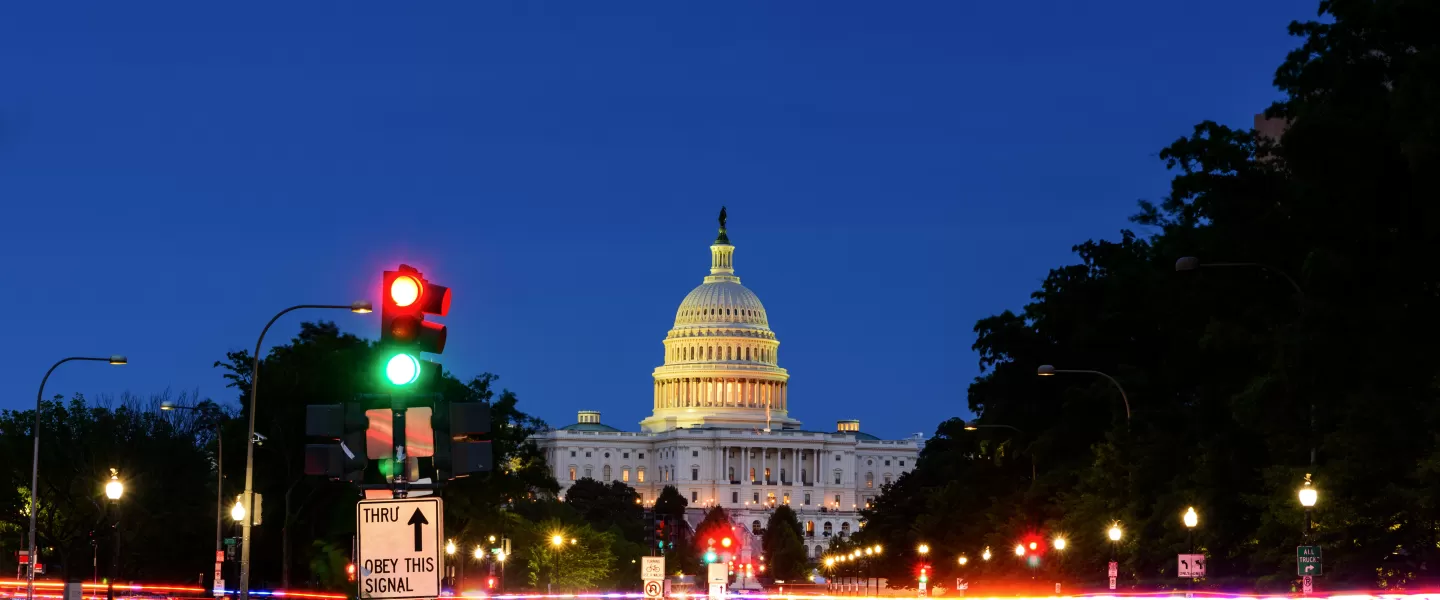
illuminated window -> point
(572, 473)
(869, 480)
(837, 498)
(625, 475)
(767, 473)
(640, 475)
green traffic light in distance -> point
(402, 369)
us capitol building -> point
(721, 431)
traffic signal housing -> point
(344, 427)
(404, 332)
(458, 450)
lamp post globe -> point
(1115, 532)
(1019, 549)
(1308, 494)
(237, 512)
(1059, 543)
(114, 489)
(986, 554)
(1191, 519)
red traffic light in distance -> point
(408, 297)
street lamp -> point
(358, 306)
(962, 560)
(113, 490)
(1191, 519)
(1019, 549)
(237, 512)
(1115, 532)
(479, 553)
(923, 549)
(1060, 543)
(986, 554)
(1050, 370)
(114, 359)
(450, 547)
(219, 472)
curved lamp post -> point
(358, 306)
(113, 490)
(115, 359)
(1049, 370)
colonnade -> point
(688, 392)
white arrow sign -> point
(399, 554)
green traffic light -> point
(402, 369)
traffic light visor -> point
(402, 369)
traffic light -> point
(490, 583)
(660, 531)
(345, 423)
(404, 332)
(924, 574)
(350, 571)
(457, 451)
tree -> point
(681, 554)
(582, 564)
(1235, 374)
(605, 506)
(783, 548)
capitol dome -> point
(721, 358)
(721, 303)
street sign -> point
(1307, 561)
(652, 568)
(219, 588)
(1308, 585)
(1112, 582)
(39, 569)
(1192, 565)
(653, 588)
(1114, 569)
(24, 556)
(399, 547)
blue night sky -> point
(172, 175)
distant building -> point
(720, 429)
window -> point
(837, 457)
(837, 476)
(640, 475)
(825, 527)
(787, 498)
(887, 479)
(869, 480)
(694, 453)
(752, 474)
(589, 473)
(587, 455)
(625, 474)
(642, 455)
(869, 462)
(734, 497)
(809, 529)
(844, 529)
(757, 497)
(902, 463)
(607, 455)
(694, 474)
(755, 527)
(837, 499)
(572, 454)
(807, 502)
(694, 496)
(572, 473)
(767, 474)
(607, 473)
(732, 474)
(626, 455)
(887, 463)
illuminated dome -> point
(721, 367)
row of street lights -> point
(856, 555)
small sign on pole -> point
(1307, 561)
(1191, 565)
(1309, 585)
(1112, 582)
(652, 572)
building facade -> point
(720, 429)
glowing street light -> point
(1308, 495)
(479, 553)
(1191, 519)
(1115, 532)
(986, 554)
(923, 549)
(557, 540)
(237, 512)
(962, 560)
(878, 548)
(114, 489)
(1059, 543)
(450, 547)
(1019, 549)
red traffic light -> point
(490, 583)
(408, 298)
(350, 571)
